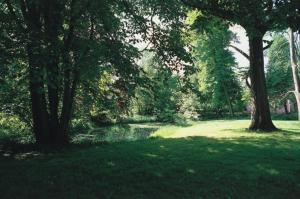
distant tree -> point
(167, 94)
(158, 96)
(217, 79)
(279, 72)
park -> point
(149, 99)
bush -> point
(79, 126)
(12, 129)
(290, 116)
(166, 115)
(103, 118)
(139, 119)
(189, 105)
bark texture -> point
(261, 116)
(294, 64)
(52, 92)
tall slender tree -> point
(279, 72)
(295, 68)
(217, 79)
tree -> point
(257, 17)
(60, 40)
(279, 71)
(159, 96)
(57, 44)
(217, 79)
(295, 68)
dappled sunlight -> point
(226, 129)
(211, 150)
(111, 164)
(191, 171)
(151, 155)
(267, 170)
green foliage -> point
(279, 71)
(256, 16)
(217, 80)
(289, 117)
(67, 47)
(14, 95)
(59, 54)
(12, 129)
(189, 105)
(164, 95)
(135, 119)
(99, 97)
(80, 126)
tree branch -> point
(286, 94)
(68, 37)
(269, 44)
(240, 51)
(213, 7)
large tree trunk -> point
(294, 64)
(44, 25)
(52, 22)
(38, 99)
(261, 116)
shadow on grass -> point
(192, 167)
(102, 135)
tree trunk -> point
(294, 64)
(68, 101)
(53, 80)
(261, 116)
(285, 108)
(37, 93)
(228, 101)
(44, 24)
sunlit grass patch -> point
(226, 129)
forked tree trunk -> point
(261, 116)
(294, 64)
(44, 21)
(50, 130)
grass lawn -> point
(211, 159)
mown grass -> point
(212, 159)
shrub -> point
(12, 129)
